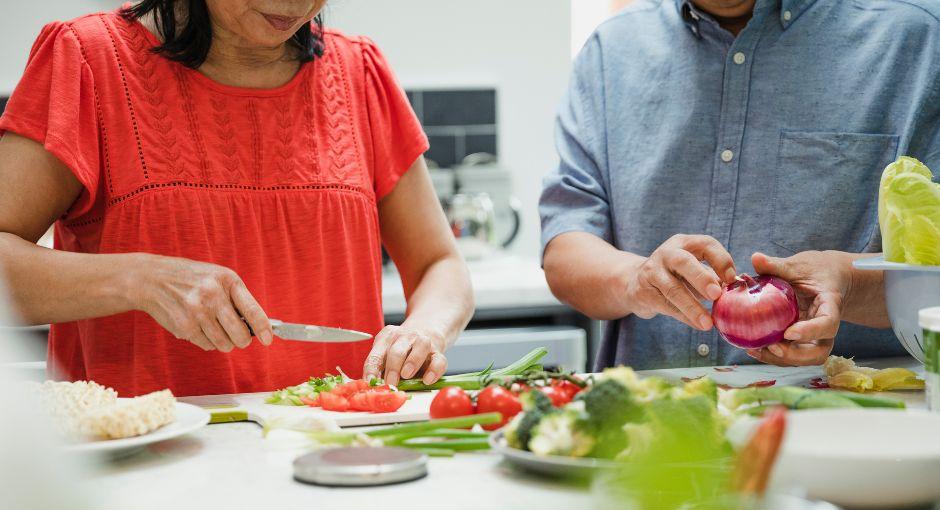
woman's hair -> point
(187, 40)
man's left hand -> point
(821, 281)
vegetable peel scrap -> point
(845, 374)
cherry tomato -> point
(558, 396)
(333, 402)
(386, 401)
(519, 388)
(359, 402)
(500, 400)
(451, 402)
(313, 401)
(568, 387)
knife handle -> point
(274, 323)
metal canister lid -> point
(362, 466)
(929, 318)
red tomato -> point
(519, 388)
(500, 400)
(568, 387)
(451, 402)
(347, 389)
(313, 401)
(386, 401)
(362, 384)
(558, 396)
(334, 402)
(360, 402)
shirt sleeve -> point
(396, 134)
(54, 105)
(575, 194)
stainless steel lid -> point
(360, 466)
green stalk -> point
(435, 452)
(872, 400)
(460, 445)
(416, 429)
(476, 380)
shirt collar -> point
(789, 11)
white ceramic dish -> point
(862, 458)
(908, 288)
(189, 418)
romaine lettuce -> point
(909, 213)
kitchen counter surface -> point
(230, 466)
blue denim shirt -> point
(770, 141)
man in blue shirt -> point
(718, 131)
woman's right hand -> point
(200, 302)
(672, 280)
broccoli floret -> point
(609, 403)
(536, 405)
(701, 386)
(562, 433)
(536, 400)
(643, 390)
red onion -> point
(754, 312)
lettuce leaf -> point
(909, 213)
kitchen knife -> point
(311, 333)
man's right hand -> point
(673, 281)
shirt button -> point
(703, 350)
(787, 15)
(727, 155)
(738, 58)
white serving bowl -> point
(862, 458)
(908, 288)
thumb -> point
(773, 266)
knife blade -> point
(313, 333)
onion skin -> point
(753, 312)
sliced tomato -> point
(382, 387)
(313, 401)
(362, 385)
(360, 402)
(334, 402)
(347, 389)
(381, 401)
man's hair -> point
(186, 31)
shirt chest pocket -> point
(826, 188)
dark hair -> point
(189, 44)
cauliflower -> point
(560, 433)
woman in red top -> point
(200, 166)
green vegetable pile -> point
(625, 418)
(909, 213)
(436, 438)
(291, 395)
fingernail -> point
(429, 378)
(776, 350)
(266, 337)
(794, 335)
(713, 291)
(408, 370)
(730, 275)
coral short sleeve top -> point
(280, 185)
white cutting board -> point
(251, 407)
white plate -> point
(862, 458)
(553, 465)
(188, 419)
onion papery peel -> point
(844, 373)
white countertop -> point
(231, 466)
(499, 281)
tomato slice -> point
(334, 402)
(347, 389)
(362, 384)
(381, 401)
(360, 402)
(313, 401)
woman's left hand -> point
(402, 352)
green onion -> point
(462, 445)
(477, 380)
(415, 429)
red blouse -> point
(280, 185)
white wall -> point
(20, 22)
(521, 47)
